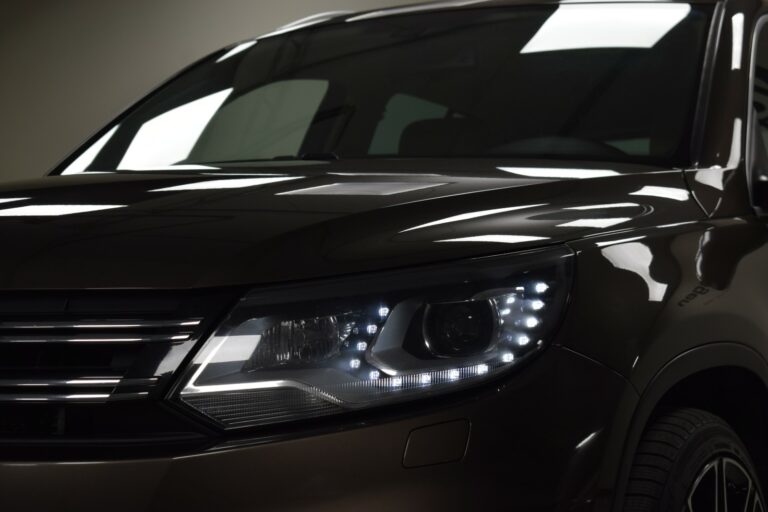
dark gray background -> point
(68, 66)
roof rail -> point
(313, 19)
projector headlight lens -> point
(301, 352)
(460, 329)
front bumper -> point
(539, 440)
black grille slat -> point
(98, 331)
(73, 383)
(90, 338)
(41, 361)
(100, 324)
(97, 339)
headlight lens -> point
(301, 352)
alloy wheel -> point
(724, 485)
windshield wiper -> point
(330, 156)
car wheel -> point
(691, 461)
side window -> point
(760, 101)
(758, 126)
(402, 110)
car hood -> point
(252, 226)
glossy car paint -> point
(284, 231)
(670, 282)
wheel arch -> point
(692, 364)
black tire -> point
(685, 457)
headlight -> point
(305, 351)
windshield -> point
(605, 82)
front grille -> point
(95, 367)
(89, 359)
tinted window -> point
(401, 112)
(612, 82)
(760, 102)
